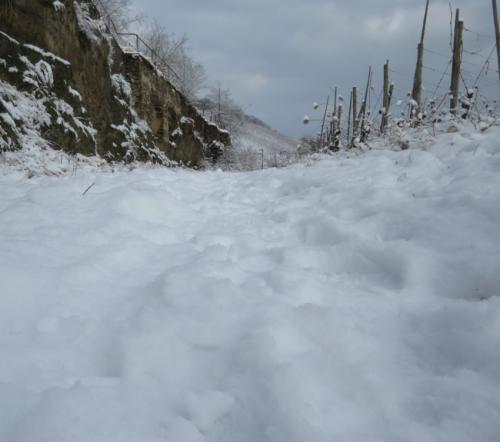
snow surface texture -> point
(354, 299)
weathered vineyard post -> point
(354, 114)
(497, 32)
(219, 116)
(323, 124)
(417, 80)
(349, 122)
(337, 130)
(334, 122)
(386, 102)
(365, 105)
(391, 94)
(457, 62)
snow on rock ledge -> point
(36, 106)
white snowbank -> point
(353, 300)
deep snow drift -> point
(350, 299)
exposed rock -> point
(66, 84)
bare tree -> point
(224, 110)
(170, 52)
(193, 78)
(120, 12)
(173, 53)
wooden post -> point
(457, 63)
(385, 110)
(334, 122)
(349, 122)
(389, 101)
(337, 130)
(323, 124)
(365, 104)
(417, 80)
(354, 113)
(497, 32)
(219, 109)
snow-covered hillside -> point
(257, 146)
(351, 299)
(255, 135)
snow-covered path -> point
(348, 300)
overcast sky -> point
(279, 56)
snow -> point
(39, 75)
(177, 132)
(44, 73)
(354, 298)
(29, 111)
(8, 37)
(255, 144)
(64, 109)
(75, 93)
(121, 85)
(58, 5)
(28, 114)
(36, 159)
(186, 120)
(49, 55)
(94, 29)
(251, 136)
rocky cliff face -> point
(66, 84)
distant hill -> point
(248, 132)
(254, 134)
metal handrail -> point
(154, 56)
(113, 30)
